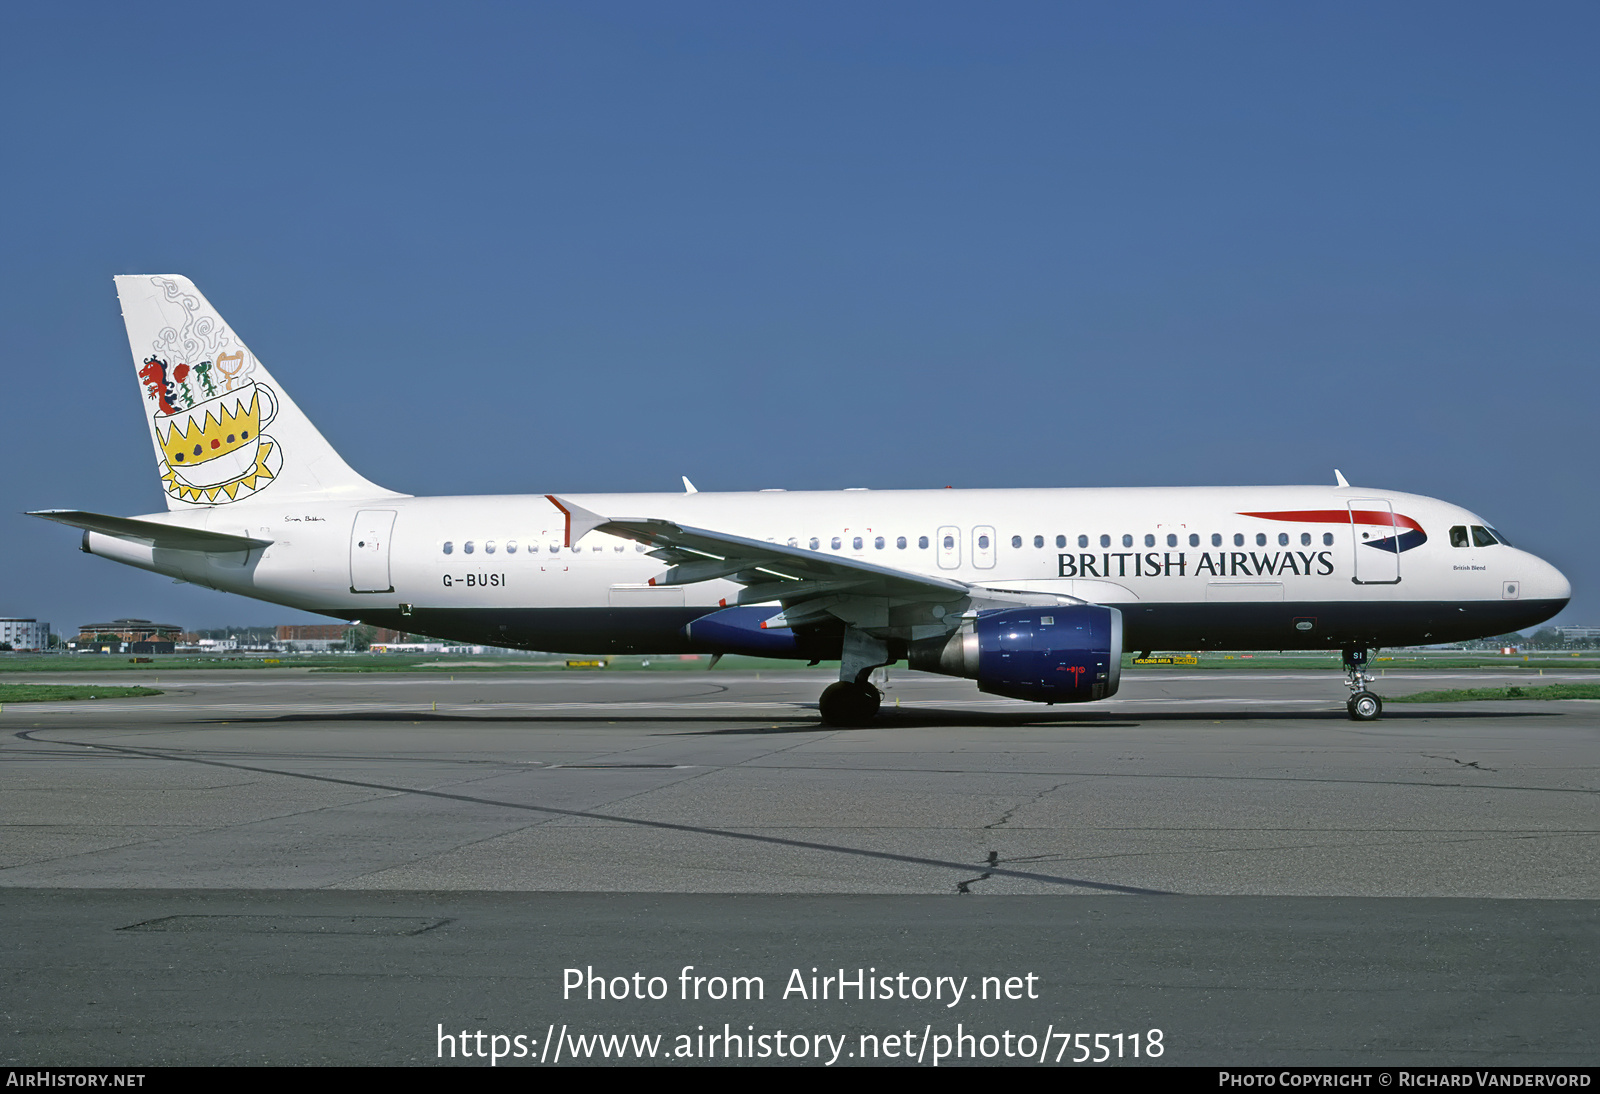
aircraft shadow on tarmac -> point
(889, 718)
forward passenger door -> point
(1377, 541)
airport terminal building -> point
(128, 636)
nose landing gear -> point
(1363, 705)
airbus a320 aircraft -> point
(1035, 594)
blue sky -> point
(583, 247)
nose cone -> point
(1545, 583)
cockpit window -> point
(1458, 536)
(1500, 536)
(1481, 537)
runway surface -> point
(1424, 883)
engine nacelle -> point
(1070, 654)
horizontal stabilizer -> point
(166, 536)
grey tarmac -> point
(1223, 856)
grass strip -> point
(54, 693)
(1513, 691)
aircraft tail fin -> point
(224, 430)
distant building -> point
(24, 634)
(130, 636)
(131, 630)
(308, 637)
(312, 632)
(1570, 634)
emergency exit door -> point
(369, 551)
(983, 547)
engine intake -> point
(1070, 654)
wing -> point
(810, 586)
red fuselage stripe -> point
(1340, 516)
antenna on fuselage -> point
(1337, 474)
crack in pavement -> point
(1009, 813)
(962, 886)
(1462, 763)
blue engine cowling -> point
(1070, 654)
(739, 630)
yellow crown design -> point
(188, 442)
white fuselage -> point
(1188, 567)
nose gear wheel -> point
(1364, 706)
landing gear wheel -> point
(1364, 706)
(847, 704)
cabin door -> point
(1377, 541)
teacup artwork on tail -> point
(208, 422)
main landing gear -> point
(848, 703)
(1362, 704)
(853, 701)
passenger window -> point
(1061, 541)
(949, 543)
(856, 543)
(449, 548)
(1038, 541)
(1261, 539)
(1149, 540)
(1238, 539)
(1216, 539)
(1127, 540)
(1083, 541)
(922, 543)
(878, 543)
(1283, 539)
(1016, 541)
(1172, 541)
(900, 542)
(467, 547)
(1458, 536)
(835, 543)
(1327, 539)
(1194, 539)
(1305, 539)
(1481, 537)
(488, 547)
(1105, 541)
(533, 548)
(983, 543)
(815, 543)
(619, 548)
(793, 542)
(555, 548)
(511, 547)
